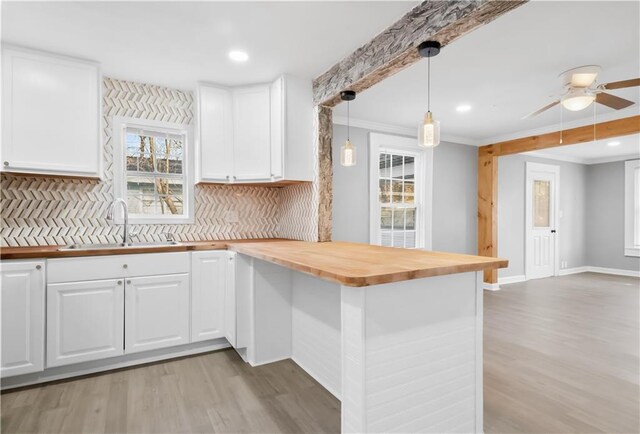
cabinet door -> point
(22, 318)
(208, 281)
(215, 137)
(51, 114)
(156, 312)
(84, 321)
(277, 127)
(251, 134)
(230, 304)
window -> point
(632, 208)
(399, 216)
(153, 171)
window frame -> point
(119, 126)
(631, 208)
(423, 184)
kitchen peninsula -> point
(396, 334)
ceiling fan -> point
(581, 90)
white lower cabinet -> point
(209, 281)
(23, 301)
(156, 312)
(85, 321)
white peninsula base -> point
(402, 357)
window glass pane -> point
(409, 168)
(140, 185)
(170, 204)
(385, 218)
(385, 165)
(410, 223)
(396, 188)
(398, 219)
(385, 191)
(541, 200)
(409, 196)
(145, 163)
(141, 203)
(397, 169)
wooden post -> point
(487, 211)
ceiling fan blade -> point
(622, 84)
(615, 102)
(537, 112)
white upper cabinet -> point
(251, 134)
(214, 155)
(51, 109)
(259, 133)
(22, 317)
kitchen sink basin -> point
(118, 245)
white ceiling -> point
(178, 44)
(595, 152)
(509, 68)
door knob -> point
(128, 282)
(125, 266)
(553, 231)
(6, 163)
(119, 282)
(38, 267)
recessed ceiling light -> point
(614, 143)
(238, 56)
(463, 108)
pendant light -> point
(348, 152)
(429, 131)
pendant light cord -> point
(428, 84)
(348, 120)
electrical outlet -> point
(231, 216)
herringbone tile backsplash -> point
(48, 211)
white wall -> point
(454, 193)
(605, 217)
(511, 212)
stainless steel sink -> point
(118, 245)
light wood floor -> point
(561, 356)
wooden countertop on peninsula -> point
(356, 264)
(350, 264)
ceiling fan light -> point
(584, 79)
(578, 99)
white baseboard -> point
(511, 279)
(574, 270)
(491, 286)
(616, 271)
(603, 270)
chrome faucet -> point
(125, 209)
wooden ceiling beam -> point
(396, 48)
(603, 130)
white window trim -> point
(630, 248)
(118, 126)
(424, 191)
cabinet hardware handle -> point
(119, 282)
(6, 163)
(38, 267)
(227, 176)
(125, 266)
(128, 282)
(234, 177)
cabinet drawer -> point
(118, 266)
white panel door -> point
(51, 114)
(540, 222)
(84, 321)
(156, 312)
(208, 281)
(230, 305)
(251, 134)
(215, 138)
(22, 317)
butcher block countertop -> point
(350, 264)
(356, 264)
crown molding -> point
(395, 129)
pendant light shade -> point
(429, 131)
(348, 151)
